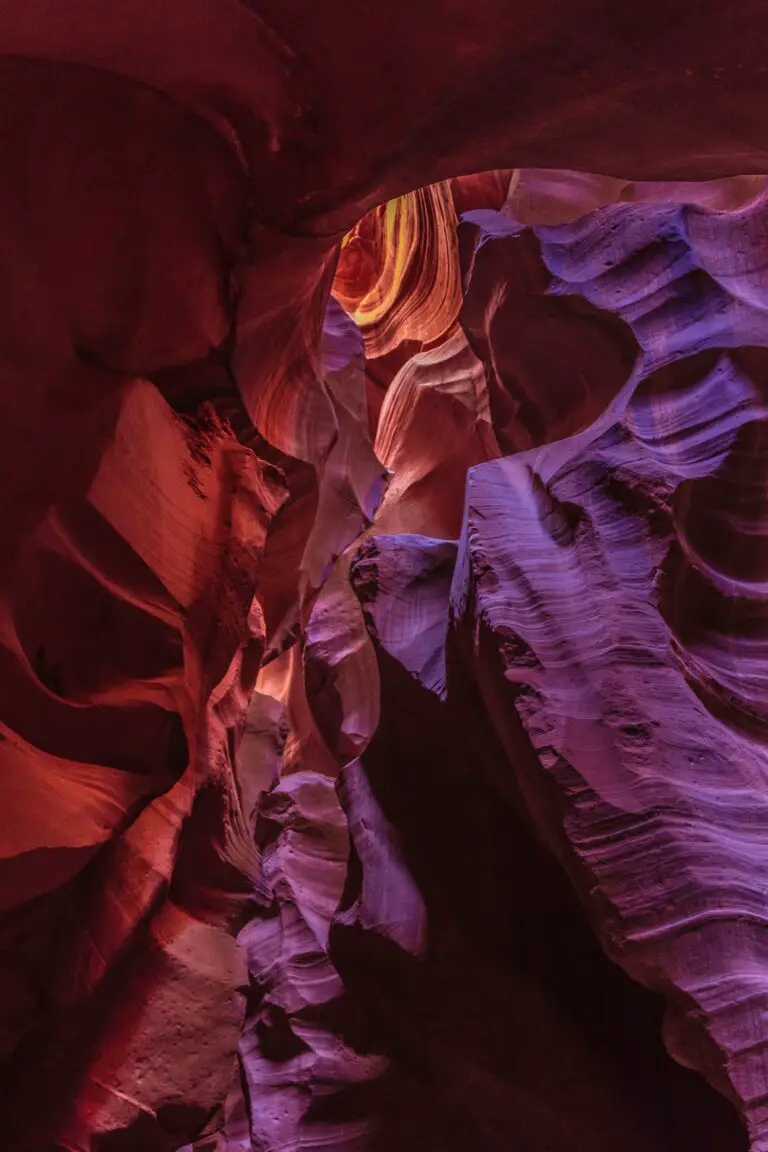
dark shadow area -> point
(174, 1122)
(516, 1031)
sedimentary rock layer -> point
(382, 590)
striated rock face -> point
(383, 578)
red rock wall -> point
(383, 725)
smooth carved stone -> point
(553, 360)
(296, 791)
(629, 700)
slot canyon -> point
(384, 576)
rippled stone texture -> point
(630, 632)
(371, 679)
(383, 280)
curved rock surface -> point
(383, 586)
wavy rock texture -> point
(621, 619)
(547, 765)
(383, 281)
(382, 576)
(627, 628)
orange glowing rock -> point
(398, 272)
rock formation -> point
(383, 582)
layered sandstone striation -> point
(383, 624)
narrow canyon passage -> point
(384, 577)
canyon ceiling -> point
(384, 576)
